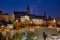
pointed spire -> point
(45, 12)
(28, 6)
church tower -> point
(28, 9)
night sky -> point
(36, 6)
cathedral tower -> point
(28, 9)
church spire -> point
(45, 12)
(28, 9)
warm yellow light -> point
(50, 26)
(54, 20)
(16, 21)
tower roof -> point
(28, 9)
(28, 6)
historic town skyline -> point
(36, 6)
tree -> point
(11, 20)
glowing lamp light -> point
(10, 25)
(50, 26)
(54, 20)
(22, 19)
(2, 26)
(16, 21)
(37, 21)
(31, 22)
(32, 30)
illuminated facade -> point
(38, 21)
(25, 17)
(51, 22)
(4, 18)
(32, 18)
(58, 21)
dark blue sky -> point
(37, 6)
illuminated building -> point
(34, 19)
(18, 14)
(4, 18)
(51, 22)
(40, 20)
(58, 21)
(24, 18)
